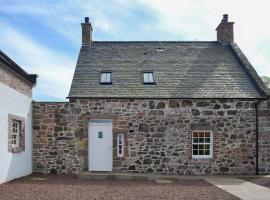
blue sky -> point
(44, 37)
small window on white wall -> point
(120, 145)
(15, 134)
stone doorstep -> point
(135, 177)
(38, 179)
(151, 177)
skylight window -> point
(106, 78)
(148, 78)
(159, 49)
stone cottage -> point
(156, 107)
(15, 119)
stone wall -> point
(264, 137)
(157, 132)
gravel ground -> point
(262, 181)
(67, 188)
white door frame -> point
(103, 150)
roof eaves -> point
(148, 97)
(149, 41)
(260, 85)
(32, 78)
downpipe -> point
(257, 135)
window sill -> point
(17, 150)
(201, 160)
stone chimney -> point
(225, 30)
(86, 32)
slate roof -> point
(181, 70)
(17, 69)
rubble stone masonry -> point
(157, 135)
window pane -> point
(207, 152)
(201, 134)
(201, 146)
(207, 140)
(207, 134)
(201, 140)
(103, 77)
(207, 146)
(145, 78)
(120, 137)
(108, 77)
(195, 152)
(150, 77)
(195, 134)
(195, 140)
(201, 152)
(120, 147)
(195, 146)
(100, 134)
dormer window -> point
(106, 78)
(148, 78)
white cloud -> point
(193, 19)
(55, 70)
(64, 16)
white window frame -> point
(15, 132)
(203, 143)
(106, 77)
(148, 77)
(120, 137)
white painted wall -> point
(14, 165)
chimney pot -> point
(225, 18)
(86, 19)
(224, 30)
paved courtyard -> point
(66, 187)
(262, 181)
(240, 187)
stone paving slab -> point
(240, 188)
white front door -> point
(100, 145)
